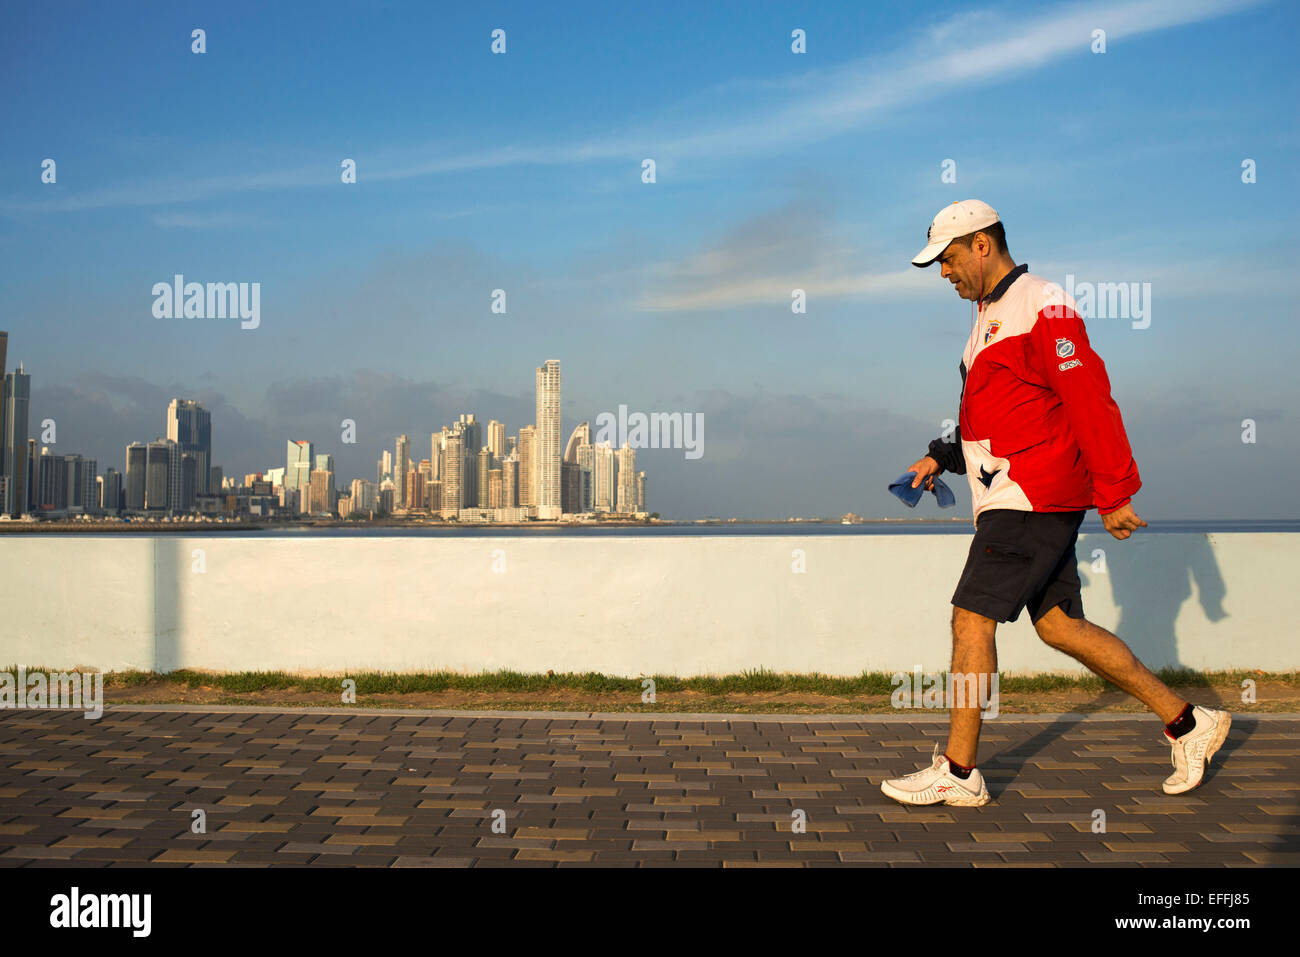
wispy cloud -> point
(764, 259)
(201, 220)
(970, 48)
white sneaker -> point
(938, 785)
(1192, 752)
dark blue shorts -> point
(1021, 560)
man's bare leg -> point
(974, 651)
(1105, 655)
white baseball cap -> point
(957, 219)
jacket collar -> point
(1006, 282)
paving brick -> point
(286, 789)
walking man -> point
(1040, 441)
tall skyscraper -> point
(575, 470)
(320, 493)
(626, 458)
(17, 403)
(473, 432)
(570, 487)
(76, 468)
(436, 442)
(90, 486)
(175, 475)
(29, 494)
(189, 481)
(496, 438)
(137, 468)
(4, 470)
(453, 468)
(189, 425)
(579, 437)
(297, 463)
(510, 481)
(547, 463)
(51, 482)
(157, 481)
(472, 438)
(401, 454)
(425, 472)
(110, 491)
(527, 459)
(483, 465)
(587, 462)
(602, 477)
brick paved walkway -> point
(406, 789)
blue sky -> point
(522, 171)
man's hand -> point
(925, 468)
(1122, 522)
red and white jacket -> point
(1037, 427)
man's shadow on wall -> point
(1150, 579)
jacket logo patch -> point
(1064, 348)
(1069, 365)
(992, 330)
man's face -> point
(960, 266)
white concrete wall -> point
(619, 605)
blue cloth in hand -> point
(902, 487)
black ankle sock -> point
(958, 771)
(1185, 721)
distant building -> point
(495, 497)
(51, 482)
(157, 476)
(510, 481)
(110, 491)
(602, 478)
(484, 465)
(189, 425)
(546, 466)
(402, 453)
(626, 460)
(17, 465)
(453, 468)
(471, 441)
(527, 457)
(570, 487)
(297, 463)
(322, 497)
(137, 461)
(364, 497)
(496, 438)
(189, 489)
(580, 436)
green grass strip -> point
(591, 682)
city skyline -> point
(468, 476)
